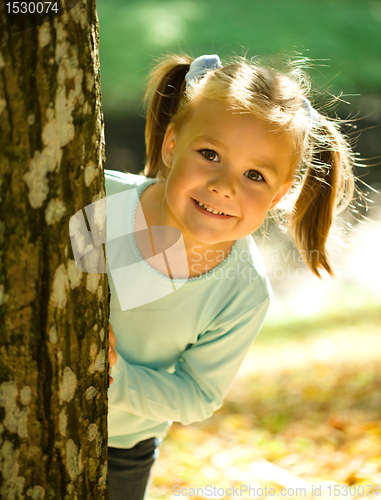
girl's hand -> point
(112, 356)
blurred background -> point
(305, 408)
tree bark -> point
(53, 317)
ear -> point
(168, 147)
(281, 192)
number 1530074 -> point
(32, 7)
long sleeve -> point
(178, 354)
(201, 378)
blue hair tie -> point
(201, 66)
(311, 112)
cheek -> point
(185, 178)
(257, 201)
(174, 190)
(170, 188)
(256, 207)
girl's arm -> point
(201, 378)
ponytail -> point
(326, 190)
(167, 85)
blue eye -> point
(209, 154)
(253, 175)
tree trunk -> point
(53, 317)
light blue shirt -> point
(178, 355)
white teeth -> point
(205, 207)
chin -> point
(208, 239)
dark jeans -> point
(129, 469)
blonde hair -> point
(324, 181)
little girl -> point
(224, 145)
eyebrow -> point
(267, 166)
(208, 139)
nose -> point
(222, 185)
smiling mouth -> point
(210, 209)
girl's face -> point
(228, 162)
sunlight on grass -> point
(165, 23)
(343, 37)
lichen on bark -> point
(53, 394)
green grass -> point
(291, 328)
(343, 34)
